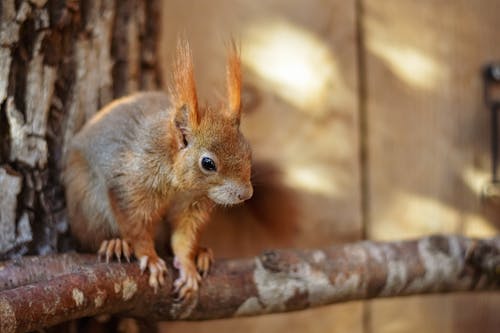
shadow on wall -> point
(269, 219)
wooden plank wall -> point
(424, 129)
(428, 143)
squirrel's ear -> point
(183, 88)
(233, 77)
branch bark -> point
(75, 286)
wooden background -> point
(367, 120)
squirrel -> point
(152, 157)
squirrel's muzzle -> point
(230, 192)
(245, 192)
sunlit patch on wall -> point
(410, 215)
(294, 63)
(313, 179)
(411, 65)
(477, 226)
(475, 179)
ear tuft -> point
(183, 88)
(233, 76)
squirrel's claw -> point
(204, 260)
(185, 288)
(110, 250)
(191, 273)
(126, 250)
(157, 270)
(143, 263)
(187, 283)
(102, 250)
(114, 248)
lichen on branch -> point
(75, 286)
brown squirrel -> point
(148, 158)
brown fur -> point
(183, 90)
(233, 77)
(138, 163)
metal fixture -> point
(491, 78)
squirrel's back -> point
(118, 126)
(96, 154)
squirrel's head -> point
(213, 157)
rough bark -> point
(60, 61)
(277, 281)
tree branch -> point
(74, 286)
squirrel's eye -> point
(208, 164)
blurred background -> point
(367, 120)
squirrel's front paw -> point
(204, 260)
(114, 247)
(187, 282)
(157, 270)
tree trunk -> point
(60, 61)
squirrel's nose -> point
(245, 193)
